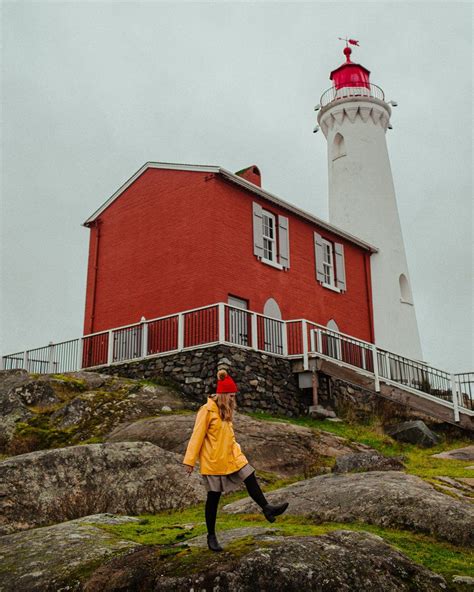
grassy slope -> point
(171, 527)
(418, 461)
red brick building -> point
(177, 237)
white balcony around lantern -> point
(346, 92)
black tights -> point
(213, 498)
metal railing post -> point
(454, 392)
(304, 335)
(25, 360)
(320, 341)
(144, 337)
(284, 336)
(254, 331)
(2, 363)
(51, 358)
(80, 350)
(221, 316)
(311, 340)
(180, 331)
(362, 357)
(387, 363)
(110, 348)
(376, 368)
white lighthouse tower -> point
(354, 117)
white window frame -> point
(272, 240)
(329, 265)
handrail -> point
(244, 329)
(361, 89)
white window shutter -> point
(257, 230)
(284, 243)
(340, 267)
(318, 251)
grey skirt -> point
(227, 483)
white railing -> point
(350, 90)
(455, 391)
(225, 324)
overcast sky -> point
(91, 91)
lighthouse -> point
(354, 117)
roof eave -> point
(238, 181)
(293, 209)
(141, 170)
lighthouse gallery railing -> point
(346, 92)
(224, 324)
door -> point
(238, 321)
(273, 329)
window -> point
(338, 146)
(269, 241)
(330, 266)
(405, 292)
(270, 238)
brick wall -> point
(176, 240)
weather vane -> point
(351, 41)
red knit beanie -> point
(225, 384)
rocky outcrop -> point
(367, 461)
(50, 410)
(413, 432)
(466, 453)
(79, 555)
(388, 498)
(276, 447)
(58, 557)
(43, 487)
(342, 561)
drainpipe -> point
(368, 281)
(96, 224)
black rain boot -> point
(213, 543)
(271, 511)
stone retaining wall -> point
(266, 382)
(354, 402)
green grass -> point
(77, 383)
(172, 527)
(418, 461)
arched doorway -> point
(334, 342)
(272, 329)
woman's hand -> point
(189, 469)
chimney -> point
(252, 174)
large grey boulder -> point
(50, 486)
(366, 461)
(58, 557)
(413, 432)
(276, 447)
(466, 453)
(342, 561)
(386, 498)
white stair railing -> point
(225, 324)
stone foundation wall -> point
(353, 402)
(266, 382)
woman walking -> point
(222, 462)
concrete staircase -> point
(432, 406)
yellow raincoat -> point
(213, 441)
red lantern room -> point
(350, 75)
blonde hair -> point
(225, 401)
